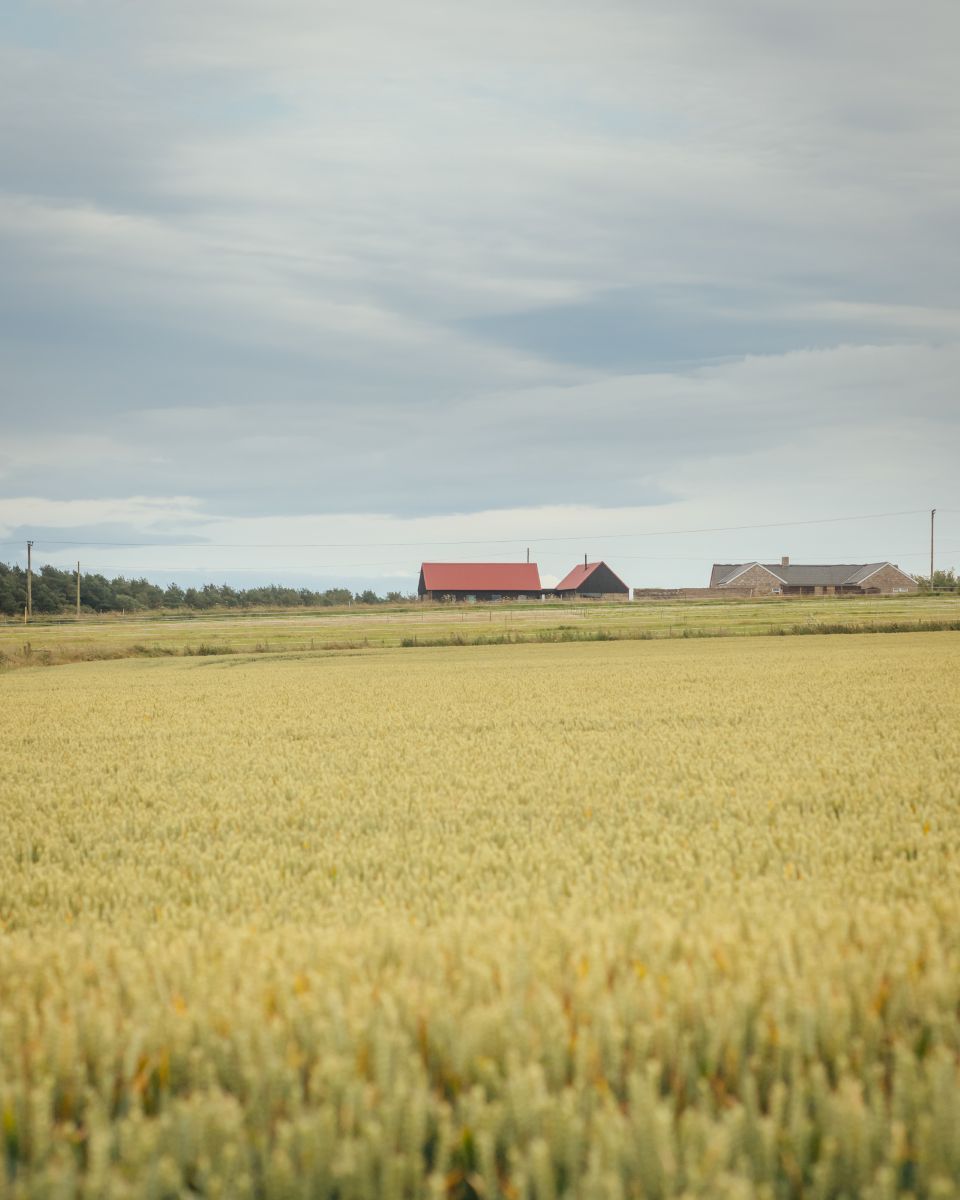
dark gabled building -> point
(591, 580)
(811, 579)
(479, 581)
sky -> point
(308, 292)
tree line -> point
(943, 581)
(53, 590)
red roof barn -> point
(480, 581)
(592, 579)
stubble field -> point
(617, 919)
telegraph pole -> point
(933, 513)
(78, 591)
(29, 579)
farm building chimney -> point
(528, 554)
(784, 562)
(584, 562)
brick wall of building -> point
(890, 579)
(757, 579)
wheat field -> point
(628, 919)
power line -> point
(477, 541)
(754, 557)
(405, 564)
(264, 566)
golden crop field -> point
(606, 920)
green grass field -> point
(326, 630)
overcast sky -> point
(302, 290)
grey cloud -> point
(101, 538)
(629, 330)
(607, 442)
(429, 258)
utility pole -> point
(29, 579)
(78, 591)
(933, 513)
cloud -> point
(431, 259)
(604, 442)
(804, 436)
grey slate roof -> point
(800, 574)
(721, 571)
(861, 575)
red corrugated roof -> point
(579, 575)
(481, 577)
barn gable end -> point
(592, 579)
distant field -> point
(626, 919)
(330, 630)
